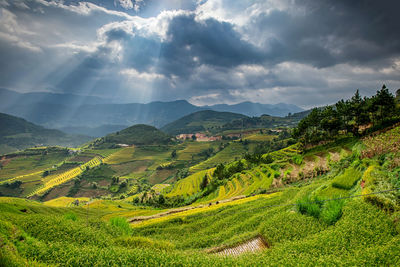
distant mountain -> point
(93, 131)
(60, 116)
(9, 98)
(17, 134)
(200, 121)
(89, 115)
(139, 134)
(257, 109)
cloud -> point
(297, 51)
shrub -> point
(332, 211)
(122, 224)
(310, 206)
(70, 216)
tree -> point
(220, 171)
(204, 182)
(161, 200)
(194, 137)
(385, 103)
(173, 154)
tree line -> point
(354, 116)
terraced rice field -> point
(64, 201)
(229, 154)
(52, 181)
(388, 141)
(259, 137)
(103, 152)
(192, 148)
(241, 185)
(188, 211)
(188, 186)
(121, 156)
(29, 164)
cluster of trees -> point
(353, 116)
(224, 172)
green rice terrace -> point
(325, 193)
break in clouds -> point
(217, 51)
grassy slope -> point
(364, 235)
(17, 134)
(200, 121)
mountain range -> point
(95, 116)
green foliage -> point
(310, 206)
(139, 134)
(18, 134)
(143, 242)
(70, 216)
(122, 224)
(332, 211)
(327, 211)
(200, 121)
(346, 117)
(348, 179)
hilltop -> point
(200, 121)
(18, 134)
(139, 134)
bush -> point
(122, 224)
(332, 211)
(327, 211)
(70, 216)
(310, 206)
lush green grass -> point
(52, 236)
(348, 179)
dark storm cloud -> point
(209, 42)
(332, 32)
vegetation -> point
(329, 201)
(200, 121)
(18, 134)
(352, 116)
(139, 134)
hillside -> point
(256, 109)
(99, 131)
(200, 121)
(300, 215)
(262, 200)
(139, 134)
(18, 134)
(264, 121)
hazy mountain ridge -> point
(72, 112)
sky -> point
(303, 52)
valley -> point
(276, 196)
